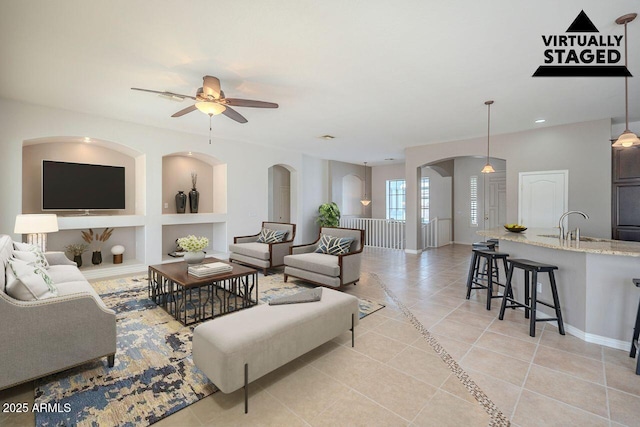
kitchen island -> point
(594, 277)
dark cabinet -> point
(625, 193)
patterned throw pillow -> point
(334, 245)
(35, 254)
(312, 295)
(271, 236)
(28, 282)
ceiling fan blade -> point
(185, 111)
(233, 114)
(165, 93)
(249, 103)
(211, 86)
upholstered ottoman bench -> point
(238, 348)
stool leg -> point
(507, 291)
(497, 270)
(472, 268)
(534, 290)
(506, 269)
(556, 302)
(527, 299)
(636, 335)
(490, 283)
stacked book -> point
(213, 268)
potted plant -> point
(76, 250)
(194, 246)
(328, 215)
(90, 237)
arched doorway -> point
(279, 194)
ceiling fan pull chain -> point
(210, 116)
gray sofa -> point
(44, 336)
(246, 250)
(324, 269)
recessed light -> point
(87, 139)
(190, 154)
(540, 121)
(327, 137)
(390, 158)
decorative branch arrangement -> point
(90, 237)
(194, 179)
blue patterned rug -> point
(154, 375)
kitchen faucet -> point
(564, 236)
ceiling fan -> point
(210, 100)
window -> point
(396, 197)
(473, 191)
(424, 199)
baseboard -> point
(590, 338)
(413, 251)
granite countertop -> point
(547, 237)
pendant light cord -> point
(488, 129)
(210, 116)
(626, 81)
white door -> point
(543, 198)
(496, 204)
(285, 204)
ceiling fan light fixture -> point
(210, 108)
(626, 140)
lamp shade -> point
(36, 223)
(627, 139)
(488, 168)
(210, 108)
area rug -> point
(154, 375)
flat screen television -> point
(79, 186)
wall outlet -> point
(539, 287)
(166, 205)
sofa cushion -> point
(30, 253)
(253, 250)
(79, 287)
(334, 245)
(316, 262)
(28, 282)
(271, 236)
(65, 273)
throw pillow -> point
(334, 245)
(28, 282)
(271, 236)
(304, 296)
(40, 259)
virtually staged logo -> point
(580, 53)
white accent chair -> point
(324, 269)
(246, 250)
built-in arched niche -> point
(282, 199)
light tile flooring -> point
(394, 376)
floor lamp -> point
(36, 227)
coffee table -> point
(190, 299)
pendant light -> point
(488, 168)
(628, 138)
(365, 200)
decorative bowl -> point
(515, 228)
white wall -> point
(314, 192)
(337, 171)
(582, 148)
(380, 176)
(440, 194)
(247, 170)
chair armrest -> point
(302, 249)
(246, 239)
(278, 251)
(350, 266)
(58, 258)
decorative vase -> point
(194, 257)
(96, 258)
(194, 199)
(181, 202)
(78, 260)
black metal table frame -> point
(176, 299)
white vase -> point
(194, 257)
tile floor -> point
(394, 376)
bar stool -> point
(635, 345)
(475, 274)
(490, 246)
(530, 294)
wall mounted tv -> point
(79, 186)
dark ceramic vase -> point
(96, 259)
(181, 202)
(78, 260)
(194, 200)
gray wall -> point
(440, 194)
(380, 176)
(582, 148)
(337, 171)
